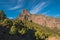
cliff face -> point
(40, 19)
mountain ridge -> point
(25, 28)
(43, 20)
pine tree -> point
(2, 15)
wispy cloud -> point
(15, 7)
(38, 7)
(57, 15)
(45, 13)
(18, 5)
(10, 17)
(19, 1)
(32, 2)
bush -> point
(13, 30)
(22, 31)
(7, 23)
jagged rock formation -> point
(40, 19)
(2, 15)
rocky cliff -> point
(40, 19)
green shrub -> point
(13, 30)
(7, 23)
(22, 31)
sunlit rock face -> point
(24, 15)
(53, 38)
(40, 19)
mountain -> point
(40, 19)
(26, 27)
(2, 15)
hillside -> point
(17, 29)
(43, 20)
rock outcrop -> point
(40, 19)
(53, 38)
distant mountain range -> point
(40, 19)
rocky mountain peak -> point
(40, 19)
(25, 11)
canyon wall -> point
(40, 19)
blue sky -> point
(13, 8)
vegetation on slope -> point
(24, 30)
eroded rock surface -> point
(40, 19)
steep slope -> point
(26, 30)
(40, 19)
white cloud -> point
(19, 5)
(45, 13)
(57, 15)
(10, 17)
(38, 7)
(19, 1)
(14, 8)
